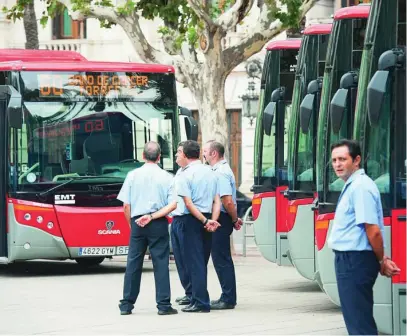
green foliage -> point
(292, 16)
(179, 19)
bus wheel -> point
(88, 262)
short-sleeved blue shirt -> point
(359, 203)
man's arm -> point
(144, 220)
(367, 214)
(216, 208)
(193, 209)
(230, 207)
(210, 224)
(375, 238)
(127, 211)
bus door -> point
(10, 115)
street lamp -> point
(250, 98)
(250, 102)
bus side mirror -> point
(184, 111)
(338, 105)
(191, 128)
(268, 117)
(14, 106)
(306, 108)
(375, 95)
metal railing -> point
(247, 221)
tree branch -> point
(234, 15)
(98, 12)
(201, 13)
(256, 37)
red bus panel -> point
(398, 243)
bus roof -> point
(318, 29)
(284, 44)
(39, 55)
(353, 12)
(85, 66)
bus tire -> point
(89, 262)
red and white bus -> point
(70, 132)
(269, 206)
(302, 148)
(343, 61)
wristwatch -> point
(235, 221)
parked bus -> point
(343, 60)
(71, 133)
(302, 149)
(38, 55)
(380, 127)
(269, 207)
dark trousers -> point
(197, 245)
(356, 274)
(222, 259)
(155, 236)
(178, 249)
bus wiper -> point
(77, 178)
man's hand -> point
(389, 268)
(211, 225)
(238, 224)
(144, 220)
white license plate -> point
(122, 250)
(97, 251)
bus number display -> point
(63, 129)
(87, 85)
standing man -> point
(145, 194)
(179, 220)
(357, 240)
(197, 186)
(221, 255)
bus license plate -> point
(96, 251)
(122, 250)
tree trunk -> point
(210, 99)
(30, 27)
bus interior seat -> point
(83, 166)
(101, 149)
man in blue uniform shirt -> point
(357, 240)
(197, 190)
(213, 153)
(147, 198)
(179, 220)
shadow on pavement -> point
(300, 287)
(62, 268)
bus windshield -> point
(344, 54)
(301, 162)
(385, 152)
(280, 66)
(90, 124)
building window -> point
(347, 3)
(63, 27)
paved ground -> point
(59, 298)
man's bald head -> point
(151, 151)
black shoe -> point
(215, 302)
(125, 312)
(184, 302)
(222, 305)
(178, 299)
(195, 309)
(169, 311)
